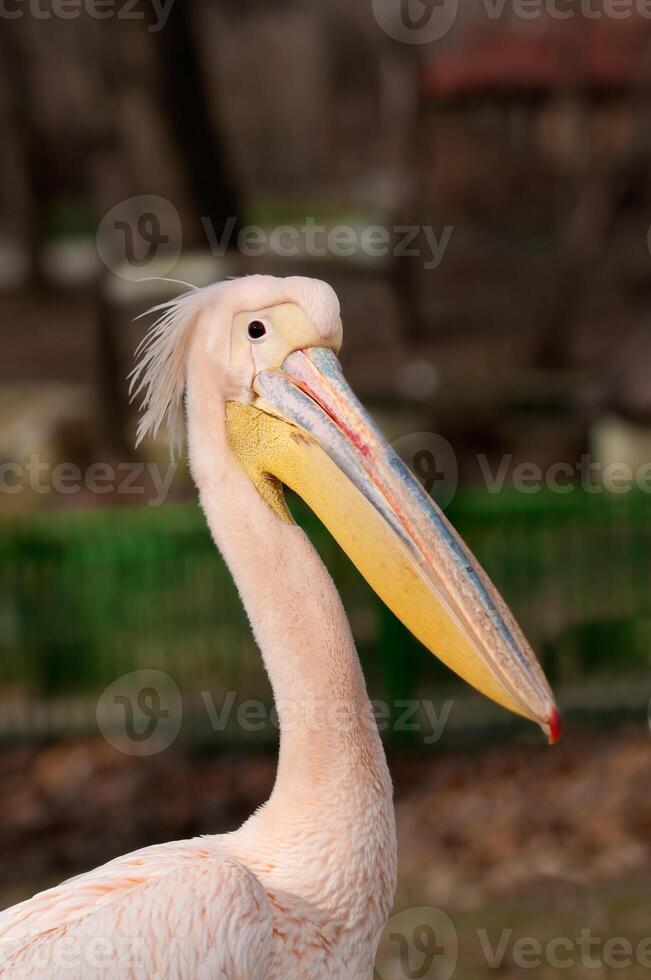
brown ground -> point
(516, 826)
(473, 824)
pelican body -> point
(303, 889)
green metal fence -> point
(86, 597)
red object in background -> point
(530, 57)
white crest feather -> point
(160, 370)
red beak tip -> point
(555, 726)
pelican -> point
(303, 889)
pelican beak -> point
(313, 436)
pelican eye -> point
(257, 331)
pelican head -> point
(270, 346)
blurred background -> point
(476, 185)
